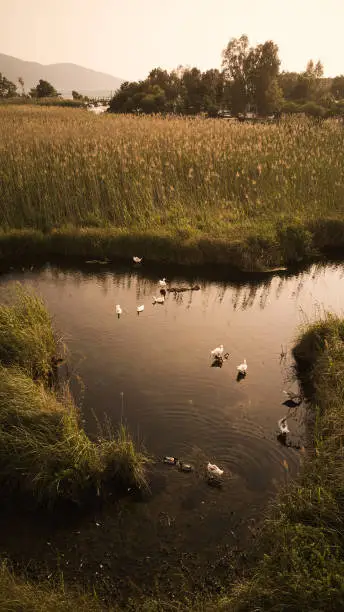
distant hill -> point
(64, 77)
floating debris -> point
(158, 300)
(285, 465)
(137, 260)
(98, 261)
(140, 308)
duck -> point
(118, 310)
(213, 470)
(184, 467)
(140, 308)
(217, 353)
(293, 400)
(162, 283)
(242, 368)
(137, 259)
(283, 426)
(170, 460)
(158, 300)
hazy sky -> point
(127, 38)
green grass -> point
(301, 547)
(19, 595)
(44, 452)
(26, 334)
(173, 189)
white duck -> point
(158, 300)
(162, 283)
(118, 310)
(137, 259)
(283, 426)
(140, 308)
(242, 368)
(217, 353)
(213, 470)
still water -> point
(153, 370)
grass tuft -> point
(19, 595)
(26, 335)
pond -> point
(154, 372)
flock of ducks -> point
(218, 355)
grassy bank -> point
(17, 594)
(44, 452)
(172, 189)
(301, 548)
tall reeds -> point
(61, 167)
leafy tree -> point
(234, 64)
(76, 95)
(287, 82)
(262, 66)
(309, 82)
(7, 88)
(337, 87)
(43, 89)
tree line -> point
(249, 80)
(43, 89)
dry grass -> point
(63, 167)
(18, 595)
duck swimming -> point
(242, 368)
(213, 470)
(217, 353)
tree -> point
(262, 66)
(234, 64)
(77, 96)
(43, 89)
(337, 87)
(7, 88)
(21, 83)
(309, 82)
(273, 98)
(287, 82)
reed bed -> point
(65, 168)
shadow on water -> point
(154, 371)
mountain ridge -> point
(64, 76)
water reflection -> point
(159, 360)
